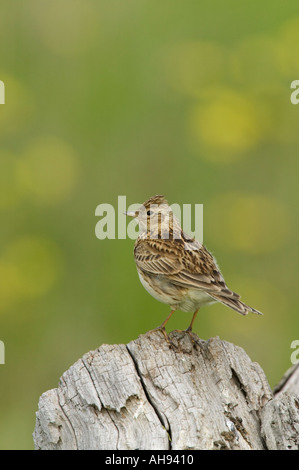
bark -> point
(150, 394)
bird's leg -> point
(162, 326)
(189, 329)
(192, 321)
(166, 320)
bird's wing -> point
(201, 271)
(194, 267)
(190, 268)
(158, 257)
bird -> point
(175, 268)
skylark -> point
(175, 268)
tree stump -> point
(154, 395)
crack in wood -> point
(146, 395)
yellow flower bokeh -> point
(238, 96)
(10, 191)
(47, 170)
(251, 223)
(192, 66)
(287, 51)
(29, 267)
(226, 125)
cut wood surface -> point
(150, 394)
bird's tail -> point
(233, 301)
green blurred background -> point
(140, 97)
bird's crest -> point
(158, 200)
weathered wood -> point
(280, 416)
(153, 395)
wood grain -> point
(149, 394)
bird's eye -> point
(149, 213)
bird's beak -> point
(130, 214)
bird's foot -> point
(190, 334)
(170, 343)
(162, 329)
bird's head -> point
(155, 218)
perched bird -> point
(175, 268)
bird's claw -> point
(167, 339)
(190, 334)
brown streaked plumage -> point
(176, 269)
